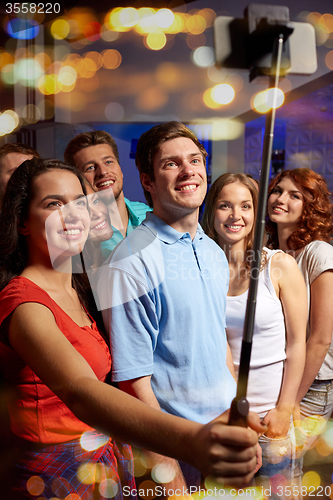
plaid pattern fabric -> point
(67, 469)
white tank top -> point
(269, 341)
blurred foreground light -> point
(311, 480)
(60, 29)
(146, 22)
(164, 18)
(163, 473)
(223, 93)
(203, 56)
(329, 60)
(108, 488)
(264, 101)
(35, 485)
(90, 440)
(8, 122)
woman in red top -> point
(56, 360)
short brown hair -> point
(315, 222)
(15, 147)
(87, 139)
(150, 142)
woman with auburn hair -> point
(55, 359)
(300, 223)
(278, 350)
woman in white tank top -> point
(278, 350)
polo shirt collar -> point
(166, 233)
(132, 216)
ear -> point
(22, 229)
(146, 182)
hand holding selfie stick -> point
(266, 43)
(240, 405)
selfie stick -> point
(240, 406)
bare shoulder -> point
(284, 262)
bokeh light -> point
(92, 31)
(8, 122)
(223, 93)
(311, 479)
(90, 440)
(111, 58)
(108, 488)
(155, 41)
(164, 18)
(31, 113)
(114, 111)
(35, 485)
(209, 101)
(8, 74)
(329, 60)
(60, 29)
(203, 56)
(264, 101)
(196, 24)
(163, 473)
(152, 98)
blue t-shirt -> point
(136, 214)
(163, 298)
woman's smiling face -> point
(234, 214)
(58, 219)
(285, 203)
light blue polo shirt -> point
(136, 214)
(164, 300)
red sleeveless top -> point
(36, 413)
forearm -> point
(129, 420)
(315, 355)
(292, 376)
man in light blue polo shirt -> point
(96, 155)
(163, 294)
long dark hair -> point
(15, 208)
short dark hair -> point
(150, 142)
(15, 147)
(87, 139)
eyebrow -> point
(227, 201)
(174, 157)
(60, 197)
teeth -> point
(278, 209)
(187, 188)
(106, 183)
(71, 231)
(101, 224)
(234, 227)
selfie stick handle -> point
(240, 406)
